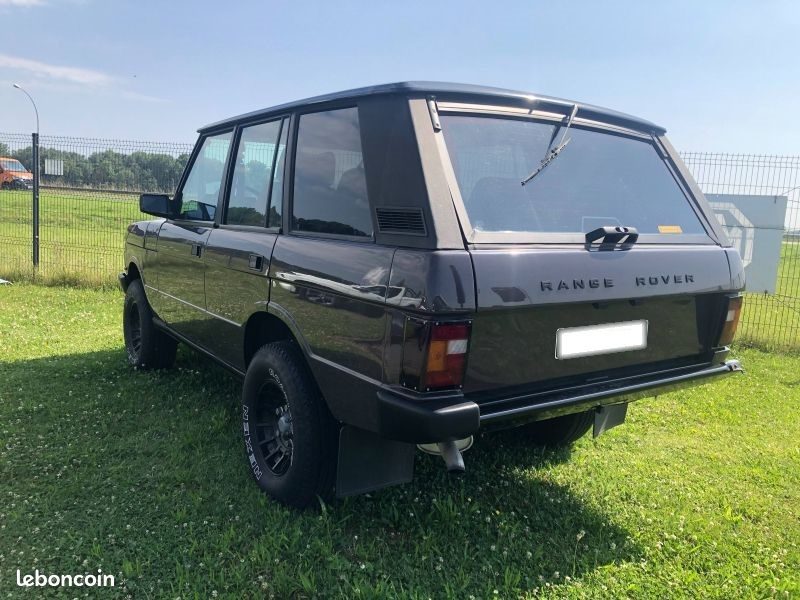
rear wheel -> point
(147, 347)
(560, 431)
(289, 435)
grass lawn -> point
(143, 475)
(773, 321)
(81, 234)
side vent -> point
(409, 221)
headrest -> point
(317, 168)
(353, 182)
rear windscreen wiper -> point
(552, 153)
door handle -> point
(197, 250)
(256, 262)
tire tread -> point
(307, 402)
(158, 348)
(561, 431)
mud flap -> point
(607, 417)
(369, 462)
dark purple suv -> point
(397, 267)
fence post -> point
(36, 177)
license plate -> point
(574, 342)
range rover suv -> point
(396, 267)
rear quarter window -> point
(599, 179)
(330, 188)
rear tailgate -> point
(525, 296)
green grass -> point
(143, 475)
(772, 322)
(81, 235)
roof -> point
(454, 91)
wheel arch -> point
(267, 327)
(133, 270)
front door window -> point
(201, 190)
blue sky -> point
(719, 75)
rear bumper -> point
(415, 420)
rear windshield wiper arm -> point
(552, 153)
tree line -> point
(137, 171)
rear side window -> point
(599, 179)
(330, 189)
(252, 173)
(277, 180)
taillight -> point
(447, 355)
(732, 314)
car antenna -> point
(551, 155)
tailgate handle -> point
(613, 235)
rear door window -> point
(276, 195)
(599, 179)
(330, 189)
(252, 174)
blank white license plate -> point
(574, 342)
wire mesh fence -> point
(772, 319)
(89, 194)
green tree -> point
(137, 171)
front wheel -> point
(289, 435)
(147, 347)
(560, 431)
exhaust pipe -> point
(450, 452)
(452, 457)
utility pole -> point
(36, 178)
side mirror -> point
(158, 205)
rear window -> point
(599, 179)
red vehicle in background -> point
(14, 175)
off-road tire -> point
(560, 431)
(278, 383)
(147, 347)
